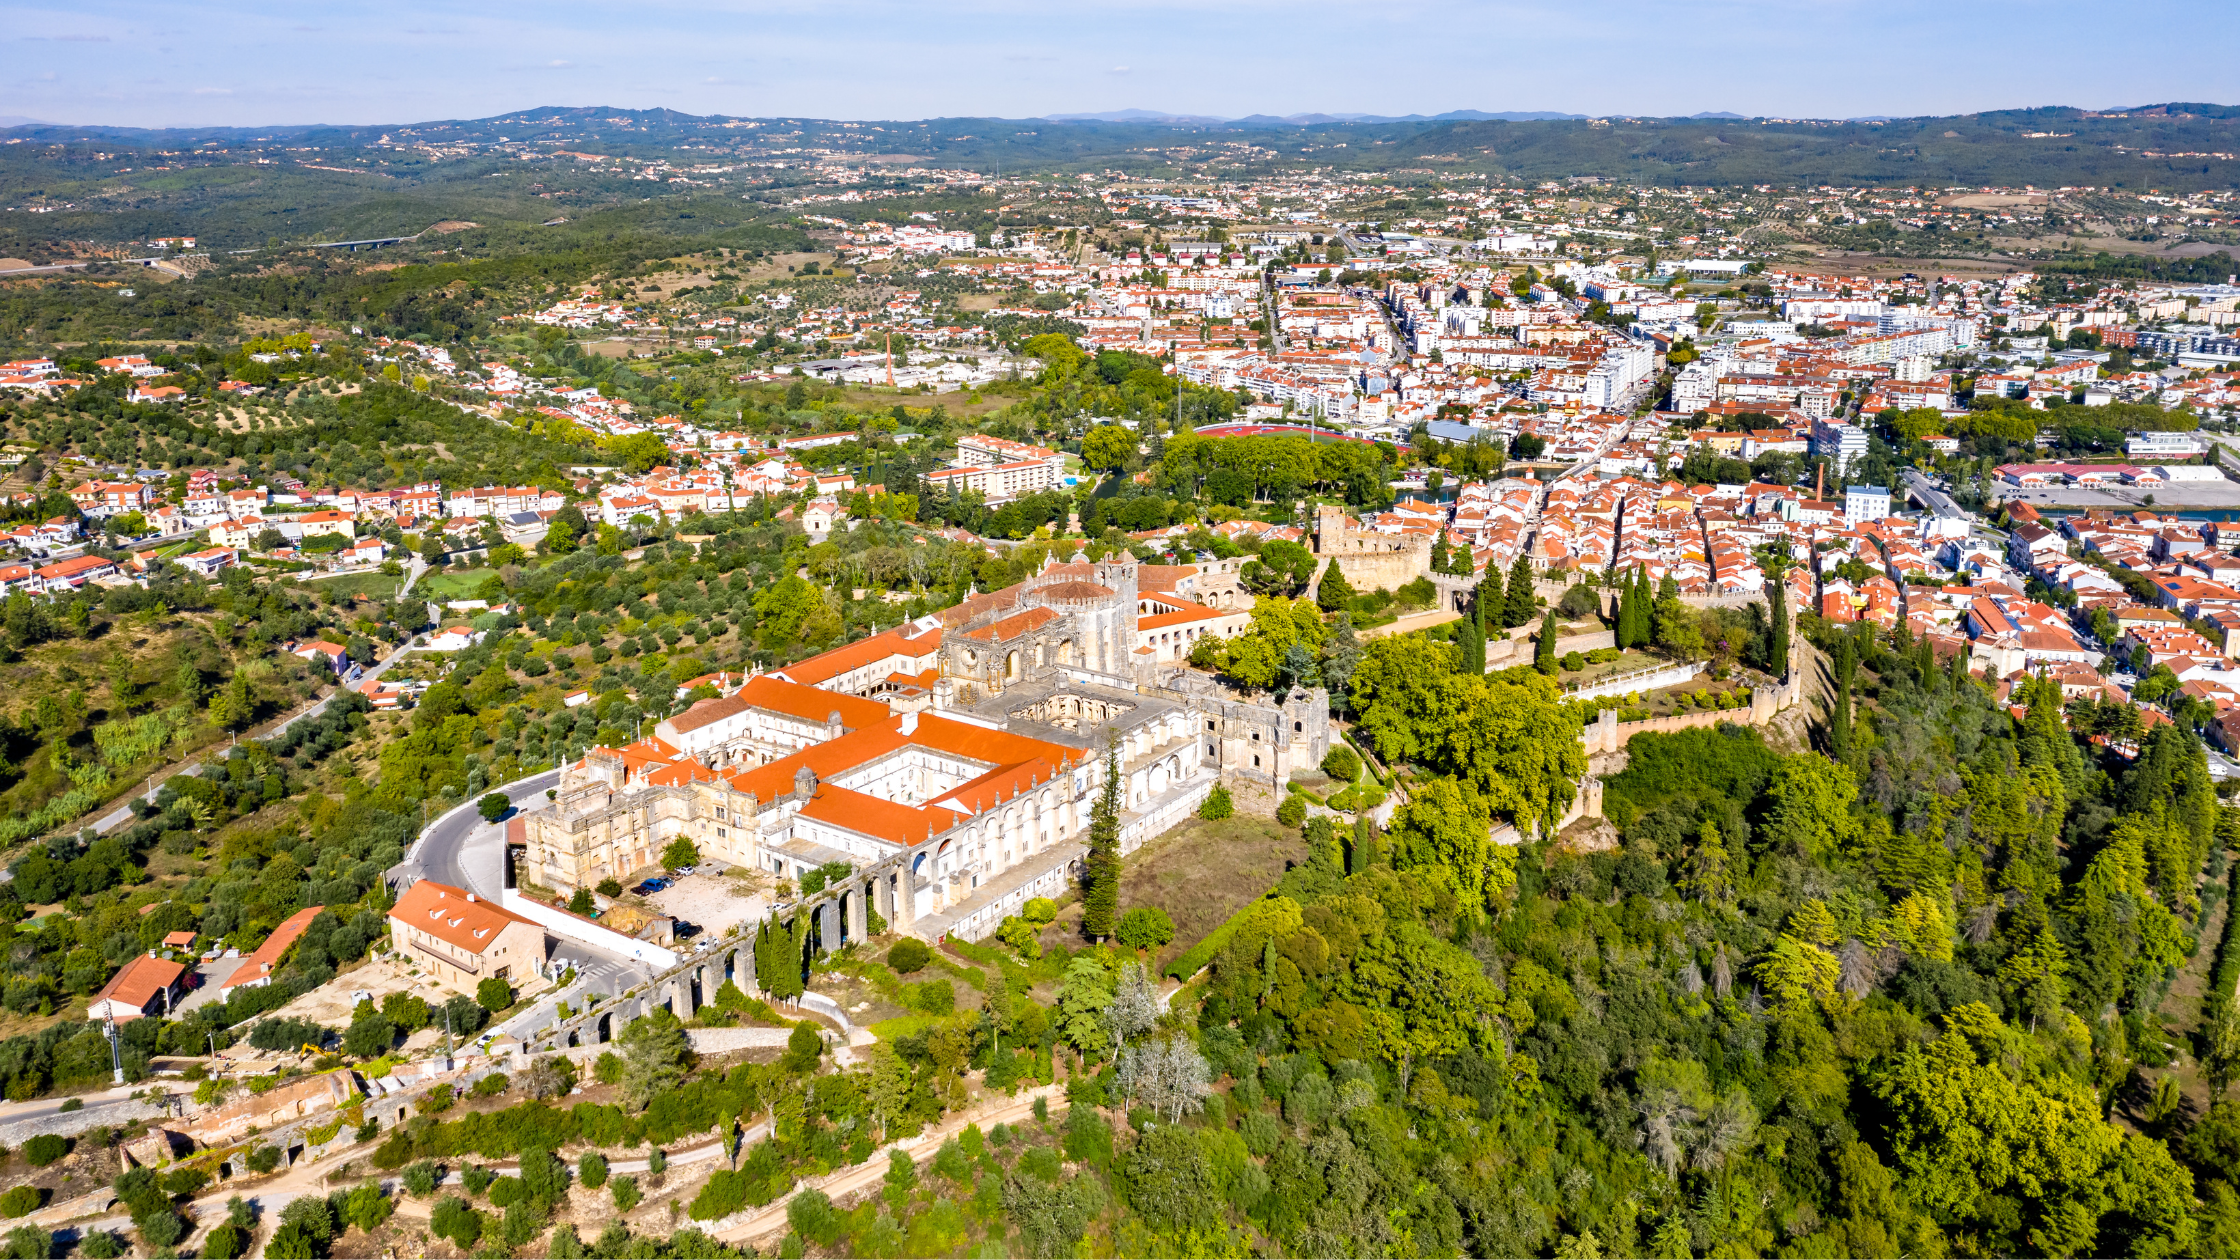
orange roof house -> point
(258, 967)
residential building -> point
(148, 985)
(462, 939)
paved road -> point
(93, 1105)
(123, 813)
(1938, 501)
(462, 850)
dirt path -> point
(771, 1220)
(1416, 621)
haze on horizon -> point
(134, 63)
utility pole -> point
(116, 1057)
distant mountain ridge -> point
(1154, 116)
(2173, 146)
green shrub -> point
(1039, 910)
(45, 1149)
(934, 997)
(1572, 662)
(1342, 763)
(264, 1159)
(625, 1192)
(1145, 927)
(908, 955)
(420, 1179)
(1218, 804)
(20, 1201)
(1293, 811)
(454, 1220)
(591, 1170)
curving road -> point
(462, 850)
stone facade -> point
(950, 816)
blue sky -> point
(262, 62)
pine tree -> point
(1544, 655)
(1517, 604)
(1100, 876)
(1777, 603)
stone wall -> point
(1370, 559)
(1606, 734)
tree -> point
(1145, 927)
(1444, 829)
(1809, 813)
(1334, 590)
(493, 807)
(1544, 652)
(1134, 1008)
(1518, 603)
(653, 1058)
(908, 955)
(581, 903)
(369, 1034)
(1108, 447)
(1283, 568)
(1100, 873)
(493, 994)
(1470, 647)
(1218, 804)
(680, 853)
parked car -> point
(650, 886)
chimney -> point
(470, 896)
(910, 722)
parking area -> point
(213, 973)
(712, 903)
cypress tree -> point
(1334, 591)
(1621, 623)
(1777, 603)
(1544, 655)
(1363, 853)
(1631, 612)
(1439, 553)
(1517, 604)
(1100, 878)
(1470, 641)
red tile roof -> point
(454, 915)
(138, 982)
(259, 965)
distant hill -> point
(2172, 146)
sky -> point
(261, 62)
